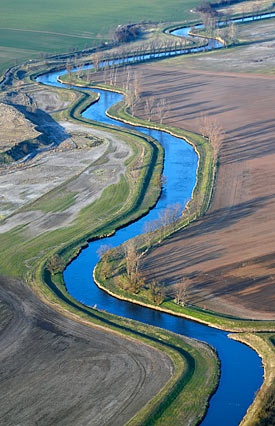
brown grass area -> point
(229, 254)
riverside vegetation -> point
(160, 406)
(125, 281)
(34, 257)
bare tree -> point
(132, 260)
(115, 75)
(96, 60)
(162, 108)
(105, 76)
(104, 254)
(103, 251)
(133, 91)
(127, 80)
(233, 32)
(149, 228)
(181, 293)
(131, 100)
(79, 71)
(149, 105)
(157, 292)
(168, 218)
(136, 85)
(213, 131)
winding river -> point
(241, 369)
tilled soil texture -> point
(228, 255)
(55, 371)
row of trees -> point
(133, 89)
(212, 19)
(128, 274)
(157, 108)
(132, 280)
(165, 224)
(122, 55)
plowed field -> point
(227, 257)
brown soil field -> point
(57, 371)
(228, 255)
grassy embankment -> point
(262, 402)
(262, 412)
(196, 369)
(129, 200)
(76, 309)
(25, 256)
(197, 207)
(262, 405)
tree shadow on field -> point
(169, 268)
(223, 218)
(249, 291)
(250, 141)
(182, 249)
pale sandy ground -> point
(52, 169)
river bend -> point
(241, 369)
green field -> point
(30, 28)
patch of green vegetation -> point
(55, 203)
(266, 414)
(196, 366)
(198, 206)
(86, 18)
(143, 297)
(61, 26)
(262, 411)
(128, 199)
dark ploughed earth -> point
(56, 371)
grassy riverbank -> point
(196, 367)
(262, 411)
(196, 208)
(130, 198)
(205, 181)
(188, 370)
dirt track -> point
(55, 371)
(229, 254)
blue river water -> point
(241, 369)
